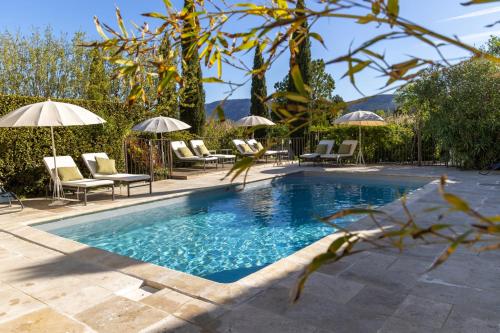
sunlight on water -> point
(226, 235)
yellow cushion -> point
(185, 152)
(344, 149)
(258, 146)
(321, 149)
(203, 151)
(246, 148)
(105, 166)
(69, 173)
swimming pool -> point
(224, 235)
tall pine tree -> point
(300, 55)
(167, 102)
(258, 107)
(192, 95)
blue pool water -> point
(224, 235)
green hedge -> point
(22, 149)
(391, 143)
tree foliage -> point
(192, 94)
(300, 71)
(258, 92)
(168, 99)
(41, 64)
(459, 106)
(324, 105)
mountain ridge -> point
(237, 108)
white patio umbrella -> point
(51, 114)
(162, 125)
(360, 118)
(252, 121)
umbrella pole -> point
(57, 191)
(170, 157)
(360, 159)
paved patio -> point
(51, 284)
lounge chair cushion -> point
(344, 149)
(185, 152)
(321, 149)
(69, 173)
(202, 150)
(105, 166)
(246, 148)
(257, 146)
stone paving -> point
(50, 284)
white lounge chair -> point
(177, 145)
(240, 144)
(78, 186)
(316, 156)
(253, 143)
(126, 178)
(338, 157)
(195, 144)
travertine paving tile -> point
(43, 321)
(419, 310)
(119, 314)
(166, 300)
(199, 312)
(74, 301)
(14, 303)
(249, 319)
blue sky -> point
(444, 16)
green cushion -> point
(321, 149)
(69, 173)
(344, 149)
(185, 152)
(203, 151)
(105, 166)
(246, 148)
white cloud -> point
(480, 36)
(477, 13)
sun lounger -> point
(240, 147)
(196, 144)
(254, 144)
(126, 178)
(316, 155)
(179, 146)
(250, 151)
(339, 156)
(78, 186)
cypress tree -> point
(301, 57)
(167, 102)
(258, 92)
(192, 95)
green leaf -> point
(212, 80)
(120, 23)
(450, 250)
(456, 202)
(99, 28)
(393, 7)
(297, 80)
(296, 97)
(318, 37)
